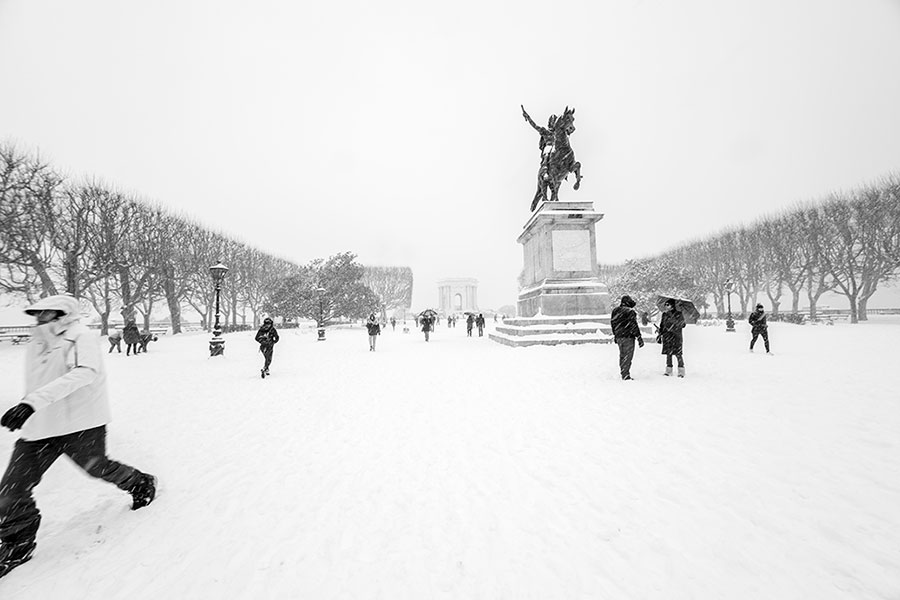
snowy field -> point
(465, 469)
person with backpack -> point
(759, 327)
(625, 330)
(267, 337)
(65, 410)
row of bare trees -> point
(848, 244)
(123, 255)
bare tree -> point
(391, 285)
(28, 190)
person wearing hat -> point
(374, 329)
(625, 330)
(670, 326)
(267, 337)
(65, 410)
(759, 327)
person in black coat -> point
(670, 327)
(759, 327)
(479, 323)
(267, 337)
(470, 322)
(374, 329)
(132, 336)
(427, 326)
(625, 331)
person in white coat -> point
(65, 411)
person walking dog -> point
(65, 410)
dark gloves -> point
(640, 342)
(15, 417)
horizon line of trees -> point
(128, 256)
(848, 244)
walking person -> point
(759, 327)
(132, 337)
(393, 324)
(427, 326)
(625, 331)
(267, 337)
(65, 410)
(670, 326)
(374, 331)
(470, 321)
(479, 323)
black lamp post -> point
(321, 324)
(217, 343)
(729, 322)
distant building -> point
(457, 295)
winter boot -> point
(681, 372)
(668, 371)
(13, 555)
(143, 491)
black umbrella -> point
(428, 312)
(686, 307)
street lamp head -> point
(729, 285)
(218, 272)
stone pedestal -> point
(560, 251)
(562, 300)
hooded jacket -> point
(65, 379)
(623, 320)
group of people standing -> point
(626, 331)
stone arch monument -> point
(457, 295)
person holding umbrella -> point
(670, 326)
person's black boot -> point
(13, 555)
(143, 491)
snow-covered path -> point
(465, 469)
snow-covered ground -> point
(460, 468)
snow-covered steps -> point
(549, 331)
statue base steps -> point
(551, 331)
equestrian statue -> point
(557, 156)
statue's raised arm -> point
(537, 128)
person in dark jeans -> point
(267, 337)
(625, 331)
(759, 327)
(65, 411)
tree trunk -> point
(70, 266)
(854, 309)
(861, 308)
(172, 299)
(125, 291)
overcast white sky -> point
(393, 130)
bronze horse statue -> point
(557, 156)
